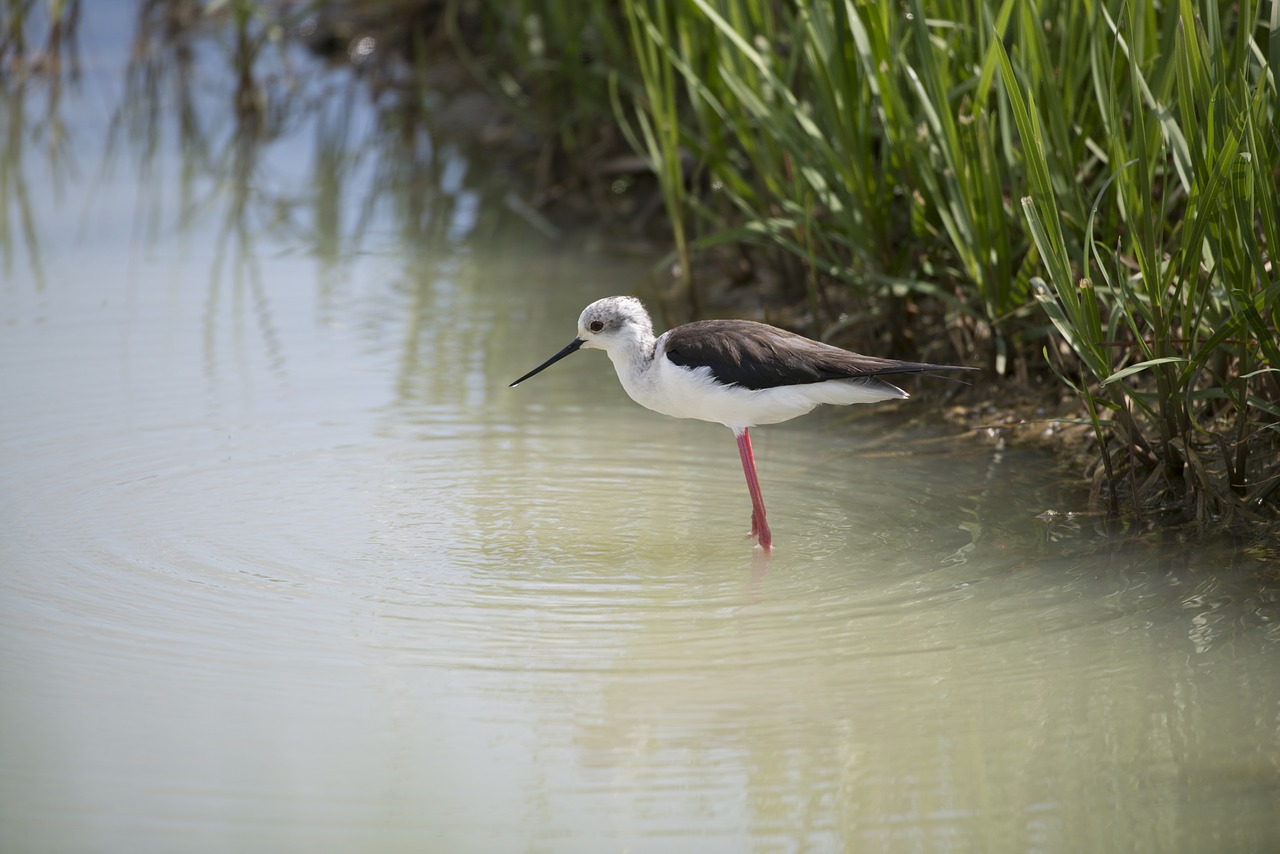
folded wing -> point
(758, 356)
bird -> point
(739, 373)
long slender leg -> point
(759, 527)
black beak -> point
(572, 348)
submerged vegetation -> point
(1082, 193)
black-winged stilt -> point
(738, 373)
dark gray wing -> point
(758, 356)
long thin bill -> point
(572, 348)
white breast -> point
(681, 392)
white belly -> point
(692, 393)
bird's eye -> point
(596, 325)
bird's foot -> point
(765, 538)
(760, 532)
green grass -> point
(1087, 189)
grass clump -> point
(1166, 295)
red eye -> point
(596, 325)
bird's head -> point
(613, 321)
(611, 324)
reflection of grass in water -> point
(373, 155)
(38, 48)
(220, 83)
(50, 26)
(227, 88)
(16, 224)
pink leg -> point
(759, 527)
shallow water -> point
(287, 566)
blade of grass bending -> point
(1142, 366)
(989, 60)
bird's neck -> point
(632, 356)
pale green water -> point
(286, 566)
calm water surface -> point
(285, 565)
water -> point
(286, 566)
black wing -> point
(758, 356)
